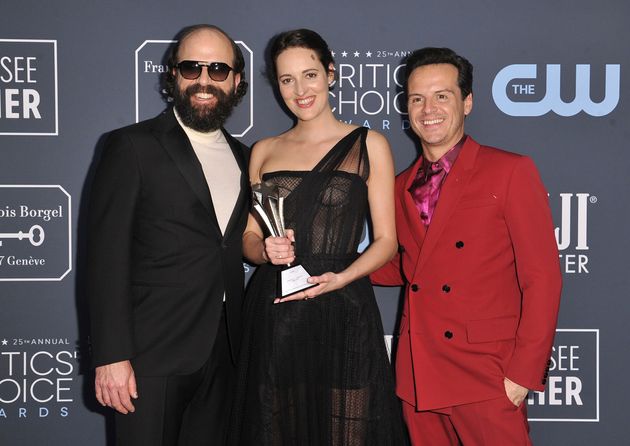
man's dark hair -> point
(431, 56)
(169, 81)
(297, 38)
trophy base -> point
(292, 280)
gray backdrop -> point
(550, 82)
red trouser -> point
(495, 422)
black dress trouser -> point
(183, 410)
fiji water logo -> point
(515, 90)
(571, 212)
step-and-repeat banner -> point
(550, 81)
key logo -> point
(35, 233)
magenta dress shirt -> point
(425, 188)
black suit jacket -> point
(158, 264)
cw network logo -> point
(515, 91)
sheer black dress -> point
(316, 372)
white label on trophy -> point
(294, 279)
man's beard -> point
(204, 118)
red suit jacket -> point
(482, 284)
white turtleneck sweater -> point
(220, 169)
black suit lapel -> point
(242, 202)
(176, 143)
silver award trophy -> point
(269, 205)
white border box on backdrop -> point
(54, 131)
(166, 43)
(40, 219)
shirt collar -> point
(447, 160)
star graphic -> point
(344, 54)
(5, 342)
(356, 54)
(368, 54)
(332, 53)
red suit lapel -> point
(450, 194)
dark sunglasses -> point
(191, 70)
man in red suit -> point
(479, 263)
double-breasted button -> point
(448, 334)
(459, 244)
(446, 288)
(414, 287)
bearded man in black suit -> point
(167, 210)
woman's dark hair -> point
(431, 56)
(238, 64)
(297, 38)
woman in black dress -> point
(313, 367)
